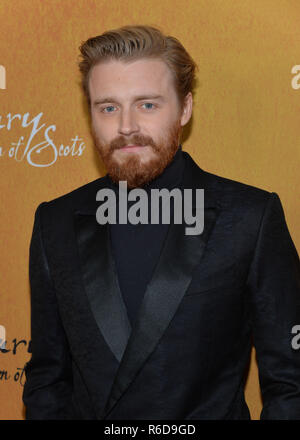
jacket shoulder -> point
(79, 198)
(243, 204)
(236, 195)
(235, 187)
(223, 189)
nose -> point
(128, 123)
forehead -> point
(134, 77)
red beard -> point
(131, 169)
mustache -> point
(137, 139)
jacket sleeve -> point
(48, 387)
(274, 285)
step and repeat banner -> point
(245, 126)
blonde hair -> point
(130, 43)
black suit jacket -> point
(210, 297)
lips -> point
(131, 147)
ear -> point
(187, 109)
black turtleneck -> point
(136, 248)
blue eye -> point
(109, 107)
(149, 104)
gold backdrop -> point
(245, 124)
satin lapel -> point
(101, 282)
(180, 255)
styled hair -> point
(130, 43)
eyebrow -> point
(107, 99)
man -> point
(143, 321)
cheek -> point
(104, 130)
(154, 128)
